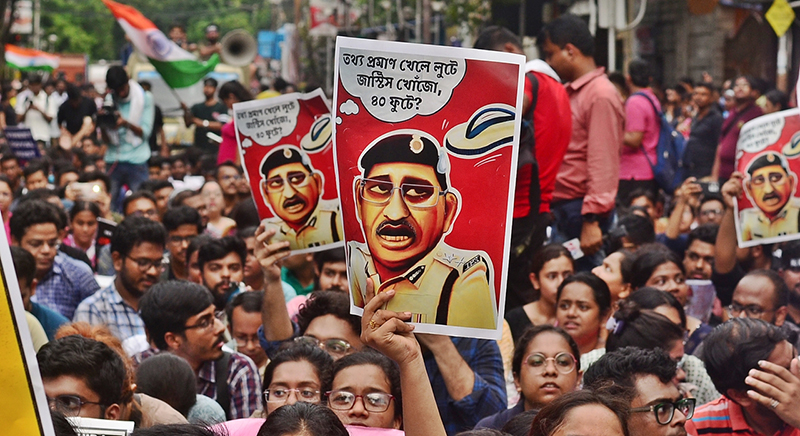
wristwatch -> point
(205, 123)
(590, 218)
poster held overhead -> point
(426, 141)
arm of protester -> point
(387, 332)
(776, 383)
(86, 128)
(725, 256)
(688, 188)
(458, 376)
(277, 325)
(633, 139)
(188, 118)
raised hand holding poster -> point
(426, 141)
(287, 153)
(768, 155)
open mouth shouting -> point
(771, 199)
(294, 204)
(399, 233)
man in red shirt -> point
(546, 111)
(745, 93)
(586, 184)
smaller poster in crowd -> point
(287, 153)
(426, 142)
(23, 404)
(100, 427)
(768, 155)
(21, 142)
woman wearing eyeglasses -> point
(299, 373)
(366, 391)
(546, 365)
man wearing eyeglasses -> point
(657, 407)
(137, 247)
(183, 224)
(756, 369)
(406, 205)
(292, 189)
(769, 187)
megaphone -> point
(239, 48)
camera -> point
(107, 116)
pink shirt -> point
(227, 149)
(640, 117)
(591, 165)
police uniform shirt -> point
(447, 286)
(324, 226)
(756, 225)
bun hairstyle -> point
(632, 326)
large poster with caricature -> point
(287, 153)
(426, 142)
(768, 155)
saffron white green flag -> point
(178, 67)
(27, 59)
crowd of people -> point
(154, 293)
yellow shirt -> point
(324, 226)
(448, 286)
(756, 225)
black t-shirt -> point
(73, 117)
(158, 124)
(701, 148)
(210, 113)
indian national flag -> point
(27, 59)
(178, 67)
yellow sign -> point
(23, 405)
(780, 16)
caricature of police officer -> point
(770, 186)
(293, 191)
(406, 205)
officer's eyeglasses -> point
(280, 395)
(415, 195)
(296, 179)
(68, 405)
(334, 347)
(373, 402)
(752, 310)
(664, 412)
(563, 362)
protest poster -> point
(21, 142)
(100, 427)
(287, 154)
(768, 155)
(23, 404)
(426, 141)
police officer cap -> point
(283, 155)
(407, 148)
(766, 160)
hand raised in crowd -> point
(591, 238)
(732, 189)
(387, 331)
(778, 389)
(270, 254)
(688, 188)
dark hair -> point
(219, 248)
(81, 206)
(707, 85)
(482, 432)
(521, 347)
(34, 212)
(778, 98)
(7, 155)
(94, 362)
(179, 198)
(388, 366)
(96, 176)
(210, 81)
(520, 425)
(116, 77)
(640, 73)
(245, 214)
(311, 419)
(135, 230)
(706, 233)
(552, 415)
(180, 157)
(495, 37)
(328, 303)
(166, 307)
(568, 29)
(181, 430)
(643, 328)
(640, 192)
(169, 378)
(781, 297)
(712, 197)
(66, 169)
(602, 296)
(315, 356)
(24, 264)
(34, 166)
(234, 88)
(248, 232)
(136, 196)
(155, 185)
(195, 245)
(651, 298)
(647, 260)
(229, 164)
(43, 194)
(621, 367)
(546, 254)
(637, 229)
(175, 217)
(332, 255)
(250, 302)
(732, 349)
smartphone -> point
(88, 191)
(709, 188)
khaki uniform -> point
(448, 286)
(756, 225)
(324, 226)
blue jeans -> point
(567, 225)
(125, 174)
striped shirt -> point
(724, 417)
(107, 307)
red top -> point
(724, 417)
(227, 149)
(730, 136)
